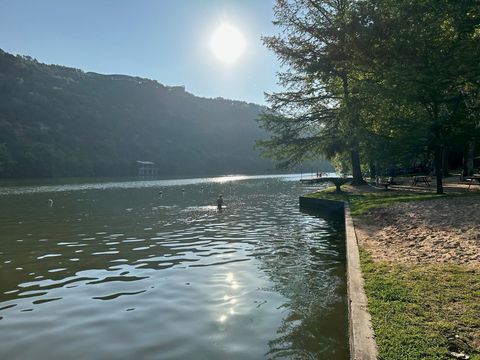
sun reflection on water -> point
(224, 179)
(229, 299)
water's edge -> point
(361, 335)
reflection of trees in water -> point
(308, 267)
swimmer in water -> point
(220, 202)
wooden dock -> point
(337, 181)
(322, 179)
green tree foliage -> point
(319, 111)
(425, 55)
(395, 82)
(6, 161)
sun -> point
(227, 43)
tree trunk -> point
(437, 149)
(438, 168)
(373, 170)
(464, 162)
(445, 166)
(470, 158)
(353, 121)
(468, 155)
(356, 170)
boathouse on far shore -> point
(146, 168)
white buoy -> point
(50, 202)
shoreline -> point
(423, 250)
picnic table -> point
(472, 180)
(384, 182)
(421, 179)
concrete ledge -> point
(362, 338)
(361, 335)
(321, 204)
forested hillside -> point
(60, 121)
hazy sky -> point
(165, 40)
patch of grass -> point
(328, 194)
(361, 203)
(423, 312)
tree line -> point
(376, 85)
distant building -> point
(146, 168)
(177, 89)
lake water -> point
(151, 270)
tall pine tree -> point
(319, 110)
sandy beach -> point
(433, 231)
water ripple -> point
(116, 295)
(178, 279)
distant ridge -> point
(60, 121)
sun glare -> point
(227, 43)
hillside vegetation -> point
(61, 121)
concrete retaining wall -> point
(321, 204)
(362, 338)
(361, 335)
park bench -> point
(385, 183)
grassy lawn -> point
(362, 202)
(422, 312)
